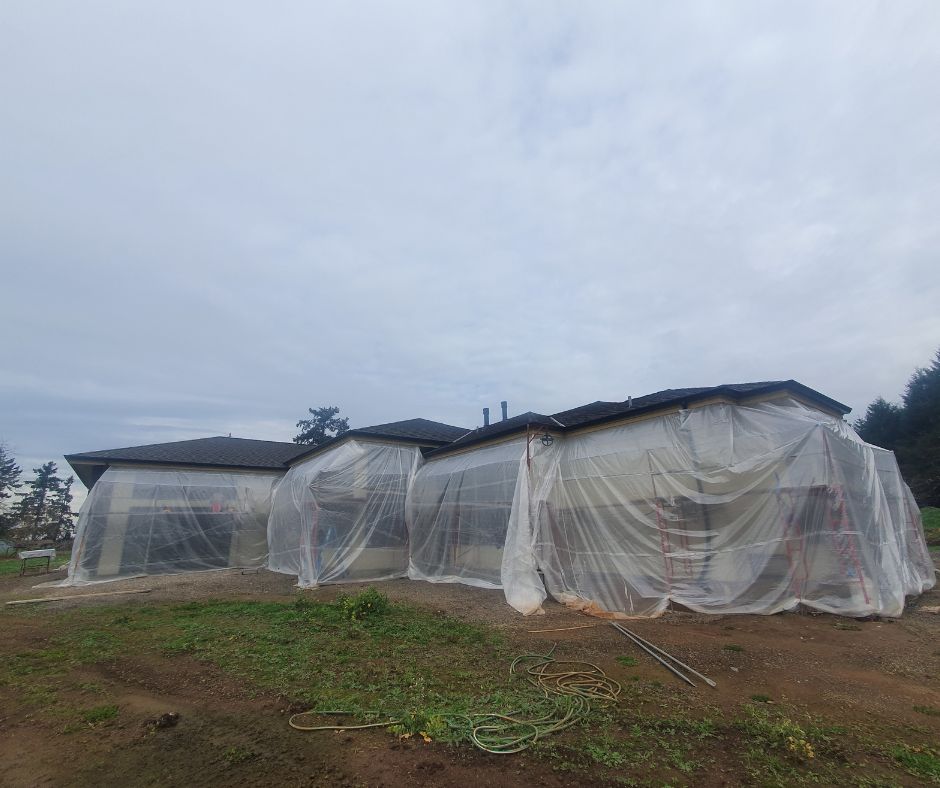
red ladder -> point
(843, 539)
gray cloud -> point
(215, 216)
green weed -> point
(605, 754)
(847, 627)
(99, 714)
(367, 604)
(236, 755)
(919, 761)
(776, 731)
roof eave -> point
(457, 446)
(726, 392)
(350, 434)
(73, 459)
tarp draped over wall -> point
(151, 522)
(340, 516)
(721, 508)
(458, 510)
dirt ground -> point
(876, 672)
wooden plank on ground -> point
(76, 596)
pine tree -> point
(881, 424)
(918, 451)
(60, 521)
(9, 483)
(912, 431)
(39, 504)
(318, 429)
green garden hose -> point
(575, 687)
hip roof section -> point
(247, 454)
(434, 437)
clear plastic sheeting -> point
(340, 516)
(722, 509)
(154, 522)
(459, 510)
(730, 509)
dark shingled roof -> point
(601, 411)
(420, 431)
(516, 423)
(440, 438)
(415, 429)
(222, 452)
(219, 451)
(586, 414)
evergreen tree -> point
(9, 483)
(918, 450)
(881, 424)
(323, 426)
(60, 521)
(912, 431)
(37, 508)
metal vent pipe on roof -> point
(486, 417)
(505, 406)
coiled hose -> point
(573, 685)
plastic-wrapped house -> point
(745, 498)
(175, 507)
(339, 513)
(749, 498)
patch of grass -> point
(672, 742)
(732, 647)
(779, 750)
(12, 565)
(236, 755)
(847, 627)
(39, 695)
(99, 714)
(398, 662)
(629, 662)
(930, 711)
(424, 669)
(605, 753)
(931, 518)
(775, 731)
(919, 761)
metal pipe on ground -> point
(655, 656)
(681, 664)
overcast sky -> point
(214, 215)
